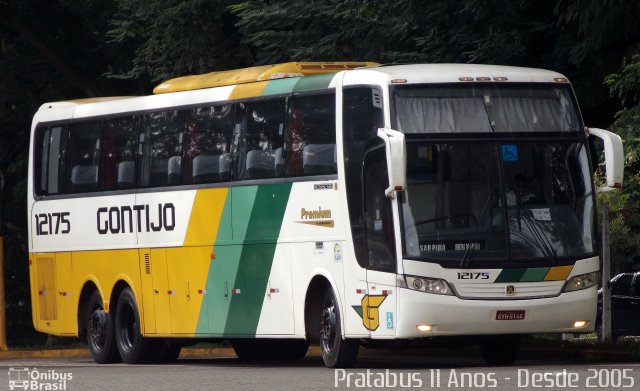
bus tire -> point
(500, 349)
(100, 331)
(133, 347)
(336, 351)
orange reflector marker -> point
(213, 255)
(105, 305)
(202, 291)
(30, 262)
(558, 273)
(171, 292)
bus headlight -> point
(583, 281)
(429, 285)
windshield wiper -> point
(538, 234)
(466, 257)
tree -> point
(170, 38)
(624, 203)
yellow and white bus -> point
(343, 202)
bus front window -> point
(497, 201)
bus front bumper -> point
(440, 315)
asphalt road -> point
(459, 372)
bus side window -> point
(311, 136)
(162, 149)
(83, 156)
(48, 160)
(119, 147)
(260, 154)
(207, 155)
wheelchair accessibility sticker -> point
(509, 153)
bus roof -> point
(453, 73)
(256, 74)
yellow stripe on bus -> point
(248, 90)
(205, 217)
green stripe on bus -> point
(280, 86)
(510, 275)
(215, 304)
(534, 274)
(317, 82)
(256, 259)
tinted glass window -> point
(259, 146)
(207, 156)
(119, 147)
(482, 108)
(362, 117)
(48, 160)
(621, 285)
(83, 156)
(378, 216)
(162, 157)
(311, 136)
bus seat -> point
(225, 167)
(278, 162)
(84, 177)
(174, 170)
(126, 175)
(260, 164)
(211, 168)
(318, 159)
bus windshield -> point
(485, 108)
(497, 201)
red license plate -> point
(510, 315)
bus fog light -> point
(580, 324)
(429, 285)
(425, 327)
(583, 281)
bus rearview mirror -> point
(613, 156)
(396, 160)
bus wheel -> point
(133, 347)
(500, 349)
(100, 332)
(336, 351)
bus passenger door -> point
(379, 305)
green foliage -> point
(624, 203)
(171, 38)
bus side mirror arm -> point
(613, 156)
(396, 160)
